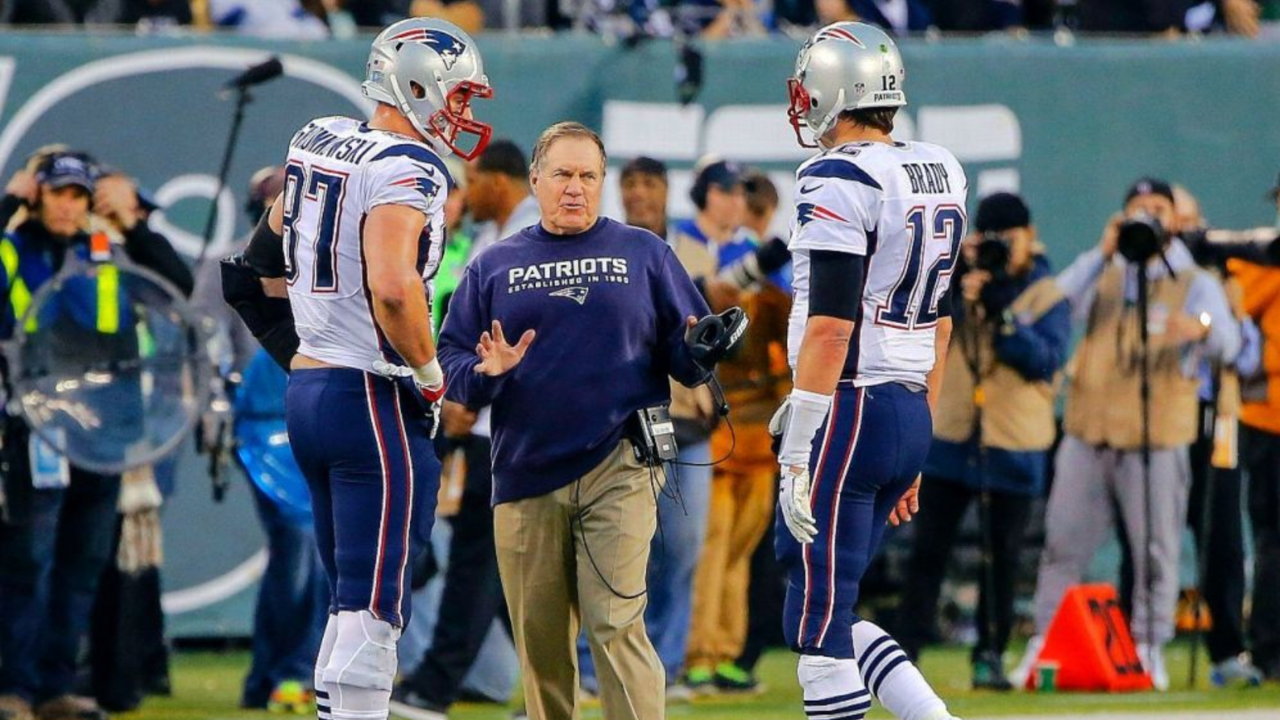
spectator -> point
(292, 605)
(756, 379)
(978, 15)
(1238, 17)
(1261, 444)
(57, 537)
(276, 19)
(457, 251)
(899, 17)
(644, 195)
(96, 12)
(1008, 343)
(1151, 17)
(466, 14)
(833, 11)
(497, 195)
(1099, 470)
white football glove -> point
(778, 423)
(793, 499)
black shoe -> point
(406, 703)
(988, 673)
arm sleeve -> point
(1037, 350)
(677, 298)
(837, 207)
(265, 251)
(404, 180)
(1079, 282)
(835, 284)
(153, 251)
(468, 317)
(1206, 295)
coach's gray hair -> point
(562, 130)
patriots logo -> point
(449, 47)
(426, 186)
(808, 212)
(577, 293)
(838, 33)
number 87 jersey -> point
(901, 207)
(338, 171)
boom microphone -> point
(256, 74)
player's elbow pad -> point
(269, 319)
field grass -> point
(207, 687)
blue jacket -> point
(609, 308)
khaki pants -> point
(742, 506)
(551, 584)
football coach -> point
(603, 313)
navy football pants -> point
(365, 446)
(865, 456)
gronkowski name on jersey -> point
(902, 208)
(337, 171)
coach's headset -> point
(710, 340)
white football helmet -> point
(844, 66)
(430, 70)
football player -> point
(878, 225)
(356, 236)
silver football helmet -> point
(430, 70)
(844, 66)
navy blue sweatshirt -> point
(609, 307)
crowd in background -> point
(714, 602)
(710, 19)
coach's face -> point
(567, 184)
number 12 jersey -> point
(901, 208)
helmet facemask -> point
(451, 126)
(798, 111)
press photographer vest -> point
(1104, 405)
(96, 300)
(1017, 414)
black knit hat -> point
(1001, 211)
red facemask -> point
(451, 127)
(800, 106)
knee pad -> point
(833, 688)
(363, 656)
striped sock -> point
(892, 678)
(833, 689)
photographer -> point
(1100, 463)
(1260, 417)
(57, 534)
(1009, 341)
(601, 311)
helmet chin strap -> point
(830, 119)
(434, 140)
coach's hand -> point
(908, 505)
(497, 356)
(793, 498)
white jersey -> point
(901, 207)
(338, 170)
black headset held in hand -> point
(714, 336)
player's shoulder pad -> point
(837, 165)
(418, 154)
(941, 154)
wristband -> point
(808, 411)
(430, 377)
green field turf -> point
(207, 687)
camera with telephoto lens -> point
(1213, 247)
(993, 255)
(1141, 237)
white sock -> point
(362, 667)
(833, 689)
(322, 659)
(892, 678)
